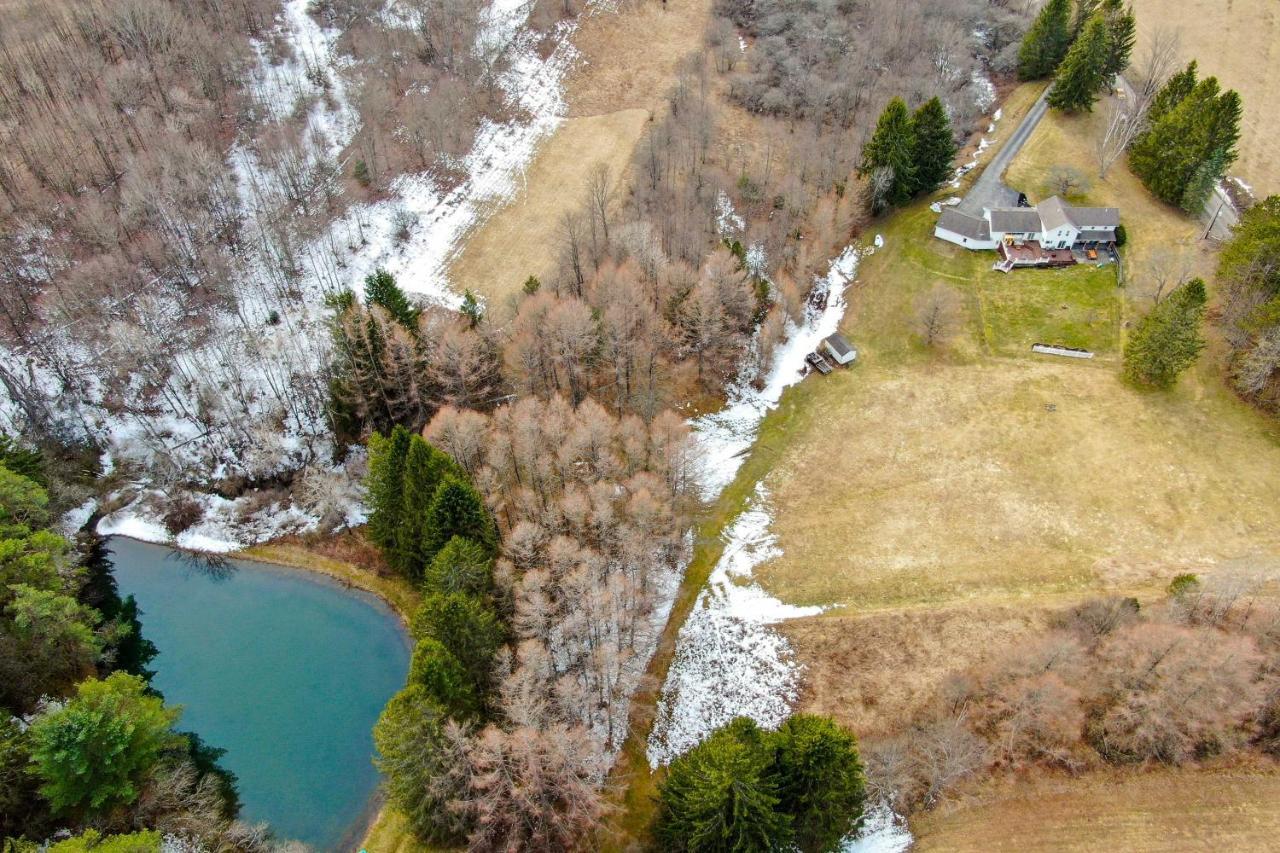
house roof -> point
(839, 345)
(1018, 219)
(1054, 212)
(973, 227)
(1095, 217)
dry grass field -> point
(1142, 812)
(1239, 42)
(943, 502)
(520, 240)
(630, 59)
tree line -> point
(1249, 281)
(909, 154)
(526, 661)
(1109, 682)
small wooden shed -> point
(840, 350)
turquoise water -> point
(284, 670)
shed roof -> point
(973, 227)
(1017, 219)
(839, 345)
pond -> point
(285, 670)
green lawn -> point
(1000, 313)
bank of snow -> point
(729, 661)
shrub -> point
(181, 514)
(1122, 235)
(1183, 584)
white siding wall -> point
(960, 240)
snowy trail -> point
(729, 660)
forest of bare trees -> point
(1111, 681)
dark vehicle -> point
(819, 363)
(1023, 201)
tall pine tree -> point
(1167, 341)
(1046, 42)
(456, 510)
(380, 289)
(1122, 31)
(892, 147)
(720, 796)
(935, 145)
(1191, 141)
(385, 485)
(424, 470)
(1082, 73)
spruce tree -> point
(935, 145)
(1172, 93)
(460, 566)
(445, 679)
(1122, 32)
(1084, 11)
(385, 485)
(456, 510)
(1191, 145)
(415, 756)
(719, 796)
(1081, 75)
(425, 468)
(469, 630)
(892, 146)
(1046, 42)
(1167, 341)
(821, 784)
(380, 289)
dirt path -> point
(630, 58)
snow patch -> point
(74, 520)
(729, 663)
(728, 222)
(937, 206)
(883, 831)
(723, 438)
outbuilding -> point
(840, 350)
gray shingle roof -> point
(1055, 212)
(839, 344)
(963, 224)
(1018, 219)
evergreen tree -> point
(385, 485)
(445, 679)
(1122, 32)
(1191, 144)
(1046, 42)
(425, 468)
(1167, 341)
(892, 146)
(94, 753)
(463, 625)
(423, 778)
(380, 289)
(820, 780)
(719, 797)
(1084, 11)
(461, 566)
(471, 309)
(1081, 75)
(457, 510)
(935, 145)
(1172, 93)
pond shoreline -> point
(390, 598)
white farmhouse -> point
(1052, 224)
